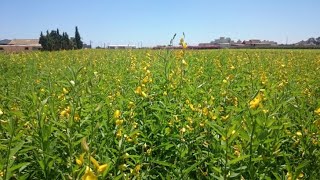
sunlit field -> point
(160, 114)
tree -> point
(311, 41)
(54, 41)
(49, 42)
(43, 41)
(318, 41)
(66, 42)
(78, 42)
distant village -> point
(18, 45)
(227, 42)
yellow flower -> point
(145, 80)
(64, 113)
(233, 132)
(76, 118)
(289, 176)
(131, 104)
(99, 168)
(84, 144)
(165, 93)
(301, 175)
(317, 111)
(205, 111)
(1, 112)
(102, 168)
(181, 41)
(298, 133)
(225, 117)
(184, 45)
(116, 114)
(119, 133)
(89, 175)
(119, 122)
(136, 170)
(143, 94)
(68, 109)
(94, 162)
(255, 102)
(65, 91)
(184, 62)
(317, 122)
(138, 90)
(80, 161)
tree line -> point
(54, 41)
(311, 41)
(315, 41)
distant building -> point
(86, 46)
(226, 42)
(305, 43)
(205, 44)
(222, 40)
(121, 47)
(19, 45)
(257, 42)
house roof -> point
(24, 42)
(4, 41)
(254, 41)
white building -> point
(122, 46)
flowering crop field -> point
(160, 114)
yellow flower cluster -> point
(118, 122)
(141, 90)
(183, 43)
(317, 111)
(257, 101)
(89, 174)
(63, 94)
(65, 112)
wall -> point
(13, 48)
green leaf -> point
(41, 165)
(233, 175)
(303, 164)
(98, 107)
(217, 128)
(14, 150)
(238, 159)
(191, 168)
(276, 175)
(118, 177)
(44, 101)
(163, 163)
(20, 166)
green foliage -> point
(160, 114)
(53, 41)
(77, 38)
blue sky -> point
(155, 22)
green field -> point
(160, 114)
